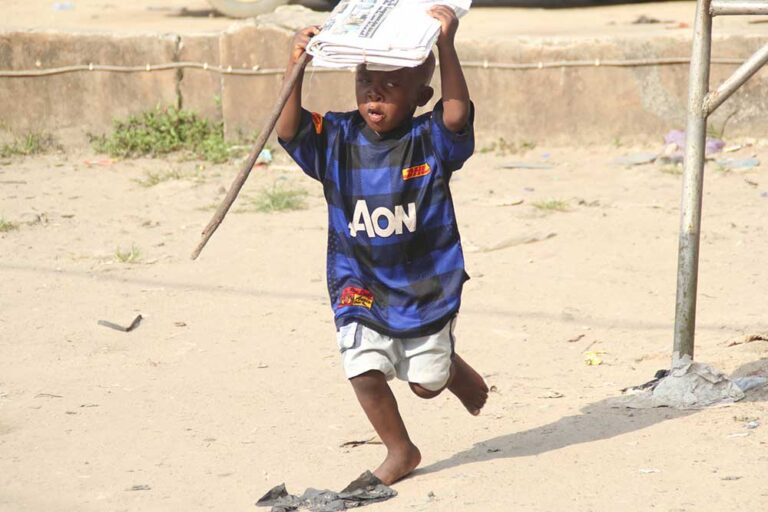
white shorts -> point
(425, 360)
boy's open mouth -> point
(375, 115)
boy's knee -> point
(423, 392)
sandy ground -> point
(232, 383)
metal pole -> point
(750, 67)
(731, 7)
(693, 177)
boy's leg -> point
(431, 365)
(380, 406)
(464, 382)
(467, 385)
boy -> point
(395, 265)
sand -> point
(232, 382)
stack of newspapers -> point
(384, 34)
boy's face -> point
(386, 99)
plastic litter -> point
(63, 6)
(366, 489)
(751, 382)
(689, 385)
(635, 159)
(525, 165)
(592, 358)
(738, 163)
(265, 157)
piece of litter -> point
(514, 241)
(648, 471)
(525, 165)
(265, 157)
(635, 159)
(552, 394)
(751, 382)
(511, 202)
(592, 358)
(140, 487)
(749, 338)
(180, 324)
(132, 326)
(731, 478)
(738, 163)
(262, 365)
(752, 424)
(365, 489)
(355, 444)
(575, 339)
(738, 434)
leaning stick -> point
(237, 184)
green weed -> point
(132, 255)
(6, 225)
(280, 198)
(33, 143)
(551, 205)
(152, 178)
(162, 131)
(501, 147)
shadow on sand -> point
(597, 421)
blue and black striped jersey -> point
(395, 262)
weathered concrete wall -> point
(69, 105)
(565, 105)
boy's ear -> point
(425, 95)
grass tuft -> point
(280, 198)
(163, 131)
(502, 147)
(552, 205)
(33, 143)
(152, 178)
(132, 255)
(6, 225)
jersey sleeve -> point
(453, 148)
(308, 147)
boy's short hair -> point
(427, 68)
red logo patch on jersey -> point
(317, 120)
(416, 172)
(352, 296)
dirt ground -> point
(232, 383)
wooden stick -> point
(239, 180)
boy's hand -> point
(301, 40)
(448, 23)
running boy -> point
(395, 264)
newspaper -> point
(384, 34)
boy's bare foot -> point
(398, 464)
(468, 386)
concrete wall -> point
(554, 106)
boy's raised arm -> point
(454, 87)
(288, 122)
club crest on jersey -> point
(382, 221)
(416, 172)
(351, 296)
(317, 121)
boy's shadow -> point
(597, 421)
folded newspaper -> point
(384, 34)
